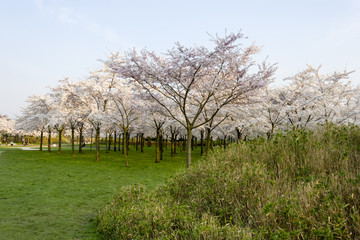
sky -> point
(43, 41)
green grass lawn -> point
(50, 196)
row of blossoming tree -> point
(189, 92)
(7, 127)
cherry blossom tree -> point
(31, 124)
(57, 121)
(97, 93)
(314, 98)
(7, 126)
(212, 124)
(36, 116)
(126, 109)
(351, 110)
(153, 120)
(192, 79)
(271, 108)
(71, 102)
(173, 128)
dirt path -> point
(28, 148)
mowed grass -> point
(50, 196)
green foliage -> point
(297, 185)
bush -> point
(297, 185)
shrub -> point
(297, 185)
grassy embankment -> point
(49, 196)
(298, 185)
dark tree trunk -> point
(41, 139)
(91, 140)
(137, 142)
(161, 142)
(114, 141)
(73, 141)
(176, 134)
(185, 142)
(207, 140)
(142, 142)
(81, 139)
(188, 149)
(97, 140)
(157, 145)
(126, 147)
(123, 144)
(128, 141)
(106, 139)
(192, 143)
(109, 144)
(60, 133)
(238, 134)
(49, 139)
(172, 143)
(119, 142)
(202, 142)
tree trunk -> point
(91, 140)
(81, 140)
(128, 141)
(188, 150)
(172, 143)
(106, 139)
(114, 141)
(157, 146)
(202, 142)
(73, 141)
(49, 139)
(176, 134)
(207, 140)
(185, 144)
(272, 130)
(97, 140)
(119, 142)
(123, 144)
(238, 134)
(137, 142)
(109, 145)
(161, 142)
(142, 142)
(126, 147)
(60, 133)
(41, 139)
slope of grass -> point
(49, 196)
(298, 185)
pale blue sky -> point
(42, 41)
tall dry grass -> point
(298, 185)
